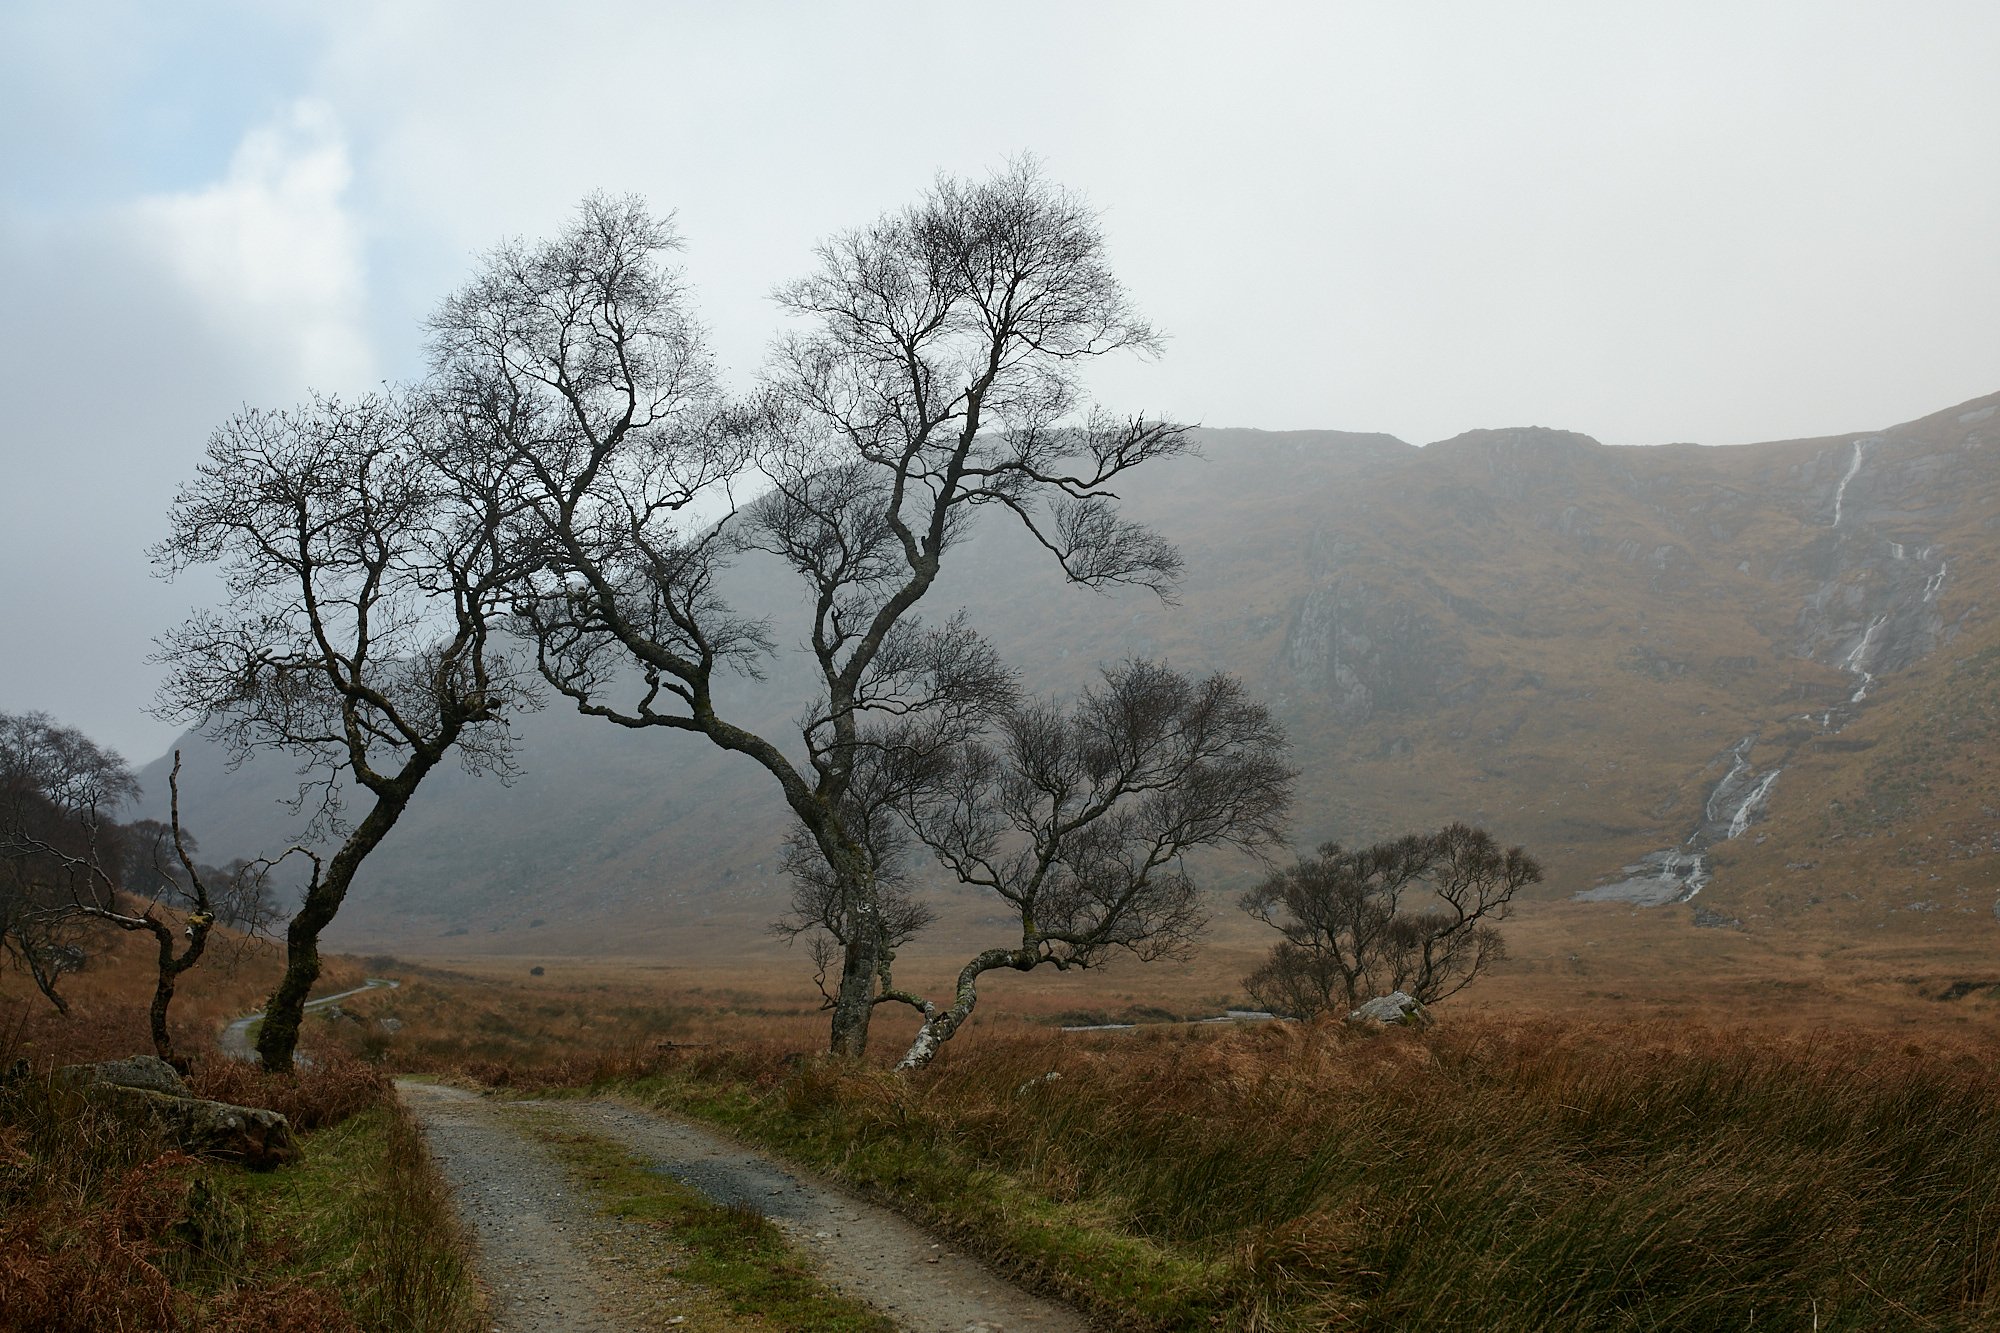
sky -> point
(1716, 222)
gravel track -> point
(530, 1219)
(235, 1039)
(535, 1232)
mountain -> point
(1756, 680)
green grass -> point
(736, 1256)
(361, 1211)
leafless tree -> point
(1415, 914)
(59, 792)
(65, 864)
(878, 785)
(197, 896)
(1080, 818)
(154, 869)
(365, 567)
(937, 372)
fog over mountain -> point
(1680, 675)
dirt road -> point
(235, 1039)
(553, 1263)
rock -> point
(138, 1071)
(1052, 1076)
(147, 1089)
(248, 1134)
(1394, 1008)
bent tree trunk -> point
(278, 1039)
(45, 977)
(941, 1025)
(168, 977)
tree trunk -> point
(278, 1039)
(941, 1025)
(163, 994)
(854, 1002)
(45, 981)
(170, 969)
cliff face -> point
(1642, 663)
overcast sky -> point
(1647, 222)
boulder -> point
(147, 1090)
(1393, 1009)
(138, 1071)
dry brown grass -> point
(1494, 1175)
(109, 998)
(96, 1231)
(332, 1087)
(1510, 1169)
(104, 1227)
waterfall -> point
(1857, 661)
(1840, 491)
(1741, 821)
(1935, 584)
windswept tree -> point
(365, 570)
(1079, 819)
(937, 372)
(1415, 914)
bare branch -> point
(1080, 821)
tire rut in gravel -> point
(543, 1249)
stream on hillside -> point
(1676, 874)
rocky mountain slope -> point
(1758, 680)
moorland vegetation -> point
(554, 511)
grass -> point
(106, 1228)
(109, 999)
(1502, 1172)
(364, 1214)
(735, 1257)
(1485, 1175)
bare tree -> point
(937, 373)
(1414, 915)
(1080, 818)
(365, 569)
(198, 899)
(155, 869)
(65, 863)
(59, 791)
(878, 785)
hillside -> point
(1759, 680)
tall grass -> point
(104, 1226)
(1485, 1175)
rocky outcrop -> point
(1368, 652)
(138, 1071)
(1392, 1010)
(147, 1091)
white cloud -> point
(271, 253)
